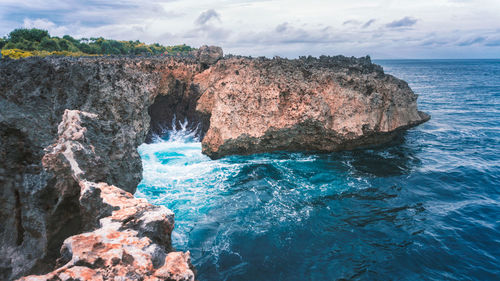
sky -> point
(383, 29)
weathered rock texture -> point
(326, 104)
(69, 129)
(46, 151)
(128, 238)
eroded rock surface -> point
(130, 238)
(208, 55)
(326, 104)
(70, 127)
(46, 150)
(132, 243)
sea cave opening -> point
(175, 108)
(256, 217)
(373, 214)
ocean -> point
(424, 207)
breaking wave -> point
(423, 207)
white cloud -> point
(382, 28)
(47, 25)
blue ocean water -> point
(425, 207)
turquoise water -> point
(425, 207)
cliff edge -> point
(320, 104)
(70, 128)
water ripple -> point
(424, 207)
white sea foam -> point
(236, 192)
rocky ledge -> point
(130, 238)
(325, 104)
(70, 128)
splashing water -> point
(183, 135)
(422, 208)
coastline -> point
(66, 188)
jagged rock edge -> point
(132, 237)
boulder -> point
(208, 55)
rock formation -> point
(208, 56)
(47, 152)
(325, 104)
(70, 127)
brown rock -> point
(130, 238)
(70, 128)
(96, 141)
(326, 104)
(208, 55)
(177, 267)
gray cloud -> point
(350, 22)
(493, 42)
(368, 23)
(286, 33)
(404, 22)
(254, 28)
(433, 42)
(206, 30)
(207, 16)
(472, 41)
(281, 27)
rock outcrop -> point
(70, 128)
(208, 56)
(325, 104)
(130, 238)
(47, 151)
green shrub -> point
(49, 44)
(39, 42)
(34, 34)
(17, 53)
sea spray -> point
(423, 207)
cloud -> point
(286, 33)
(434, 42)
(472, 41)
(46, 25)
(347, 22)
(281, 27)
(404, 22)
(90, 13)
(493, 41)
(356, 22)
(206, 34)
(368, 23)
(207, 16)
(208, 30)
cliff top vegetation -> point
(24, 42)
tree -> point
(111, 47)
(38, 42)
(34, 34)
(26, 45)
(71, 39)
(9, 45)
(49, 44)
(142, 49)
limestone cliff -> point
(67, 124)
(69, 129)
(325, 104)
